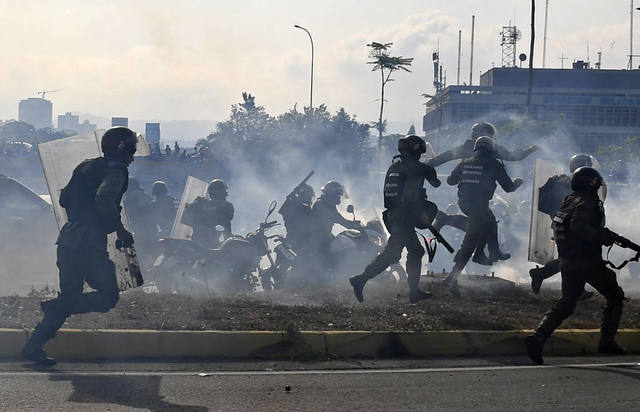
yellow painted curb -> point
(128, 344)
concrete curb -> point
(128, 344)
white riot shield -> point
(59, 158)
(193, 189)
(542, 248)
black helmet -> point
(306, 193)
(483, 129)
(484, 144)
(586, 178)
(412, 145)
(217, 188)
(119, 140)
(333, 191)
(579, 160)
(159, 188)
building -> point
(36, 111)
(598, 107)
(152, 134)
(70, 121)
(120, 121)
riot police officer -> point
(92, 202)
(407, 207)
(580, 232)
(552, 194)
(476, 179)
(465, 150)
(162, 209)
(296, 214)
(205, 214)
(324, 214)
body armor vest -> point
(570, 245)
(394, 184)
(78, 196)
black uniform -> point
(92, 202)
(203, 215)
(465, 150)
(324, 215)
(580, 233)
(297, 217)
(552, 194)
(476, 178)
(407, 208)
(162, 212)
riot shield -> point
(59, 158)
(192, 189)
(542, 248)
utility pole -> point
(630, 65)
(544, 43)
(533, 37)
(473, 25)
(459, 54)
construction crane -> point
(43, 92)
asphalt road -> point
(594, 383)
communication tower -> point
(509, 35)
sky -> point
(191, 60)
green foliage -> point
(24, 132)
(382, 60)
(615, 157)
(287, 142)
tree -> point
(382, 60)
(412, 130)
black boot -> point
(33, 349)
(417, 295)
(358, 283)
(535, 345)
(610, 320)
(610, 346)
(498, 255)
(480, 258)
(536, 279)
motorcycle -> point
(352, 250)
(185, 266)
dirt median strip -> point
(130, 344)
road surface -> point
(585, 383)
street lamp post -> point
(310, 38)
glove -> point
(125, 238)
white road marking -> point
(55, 372)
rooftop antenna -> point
(599, 63)
(562, 59)
(473, 29)
(544, 43)
(509, 36)
(437, 69)
(630, 65)
(459, 54)
(44, 92)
